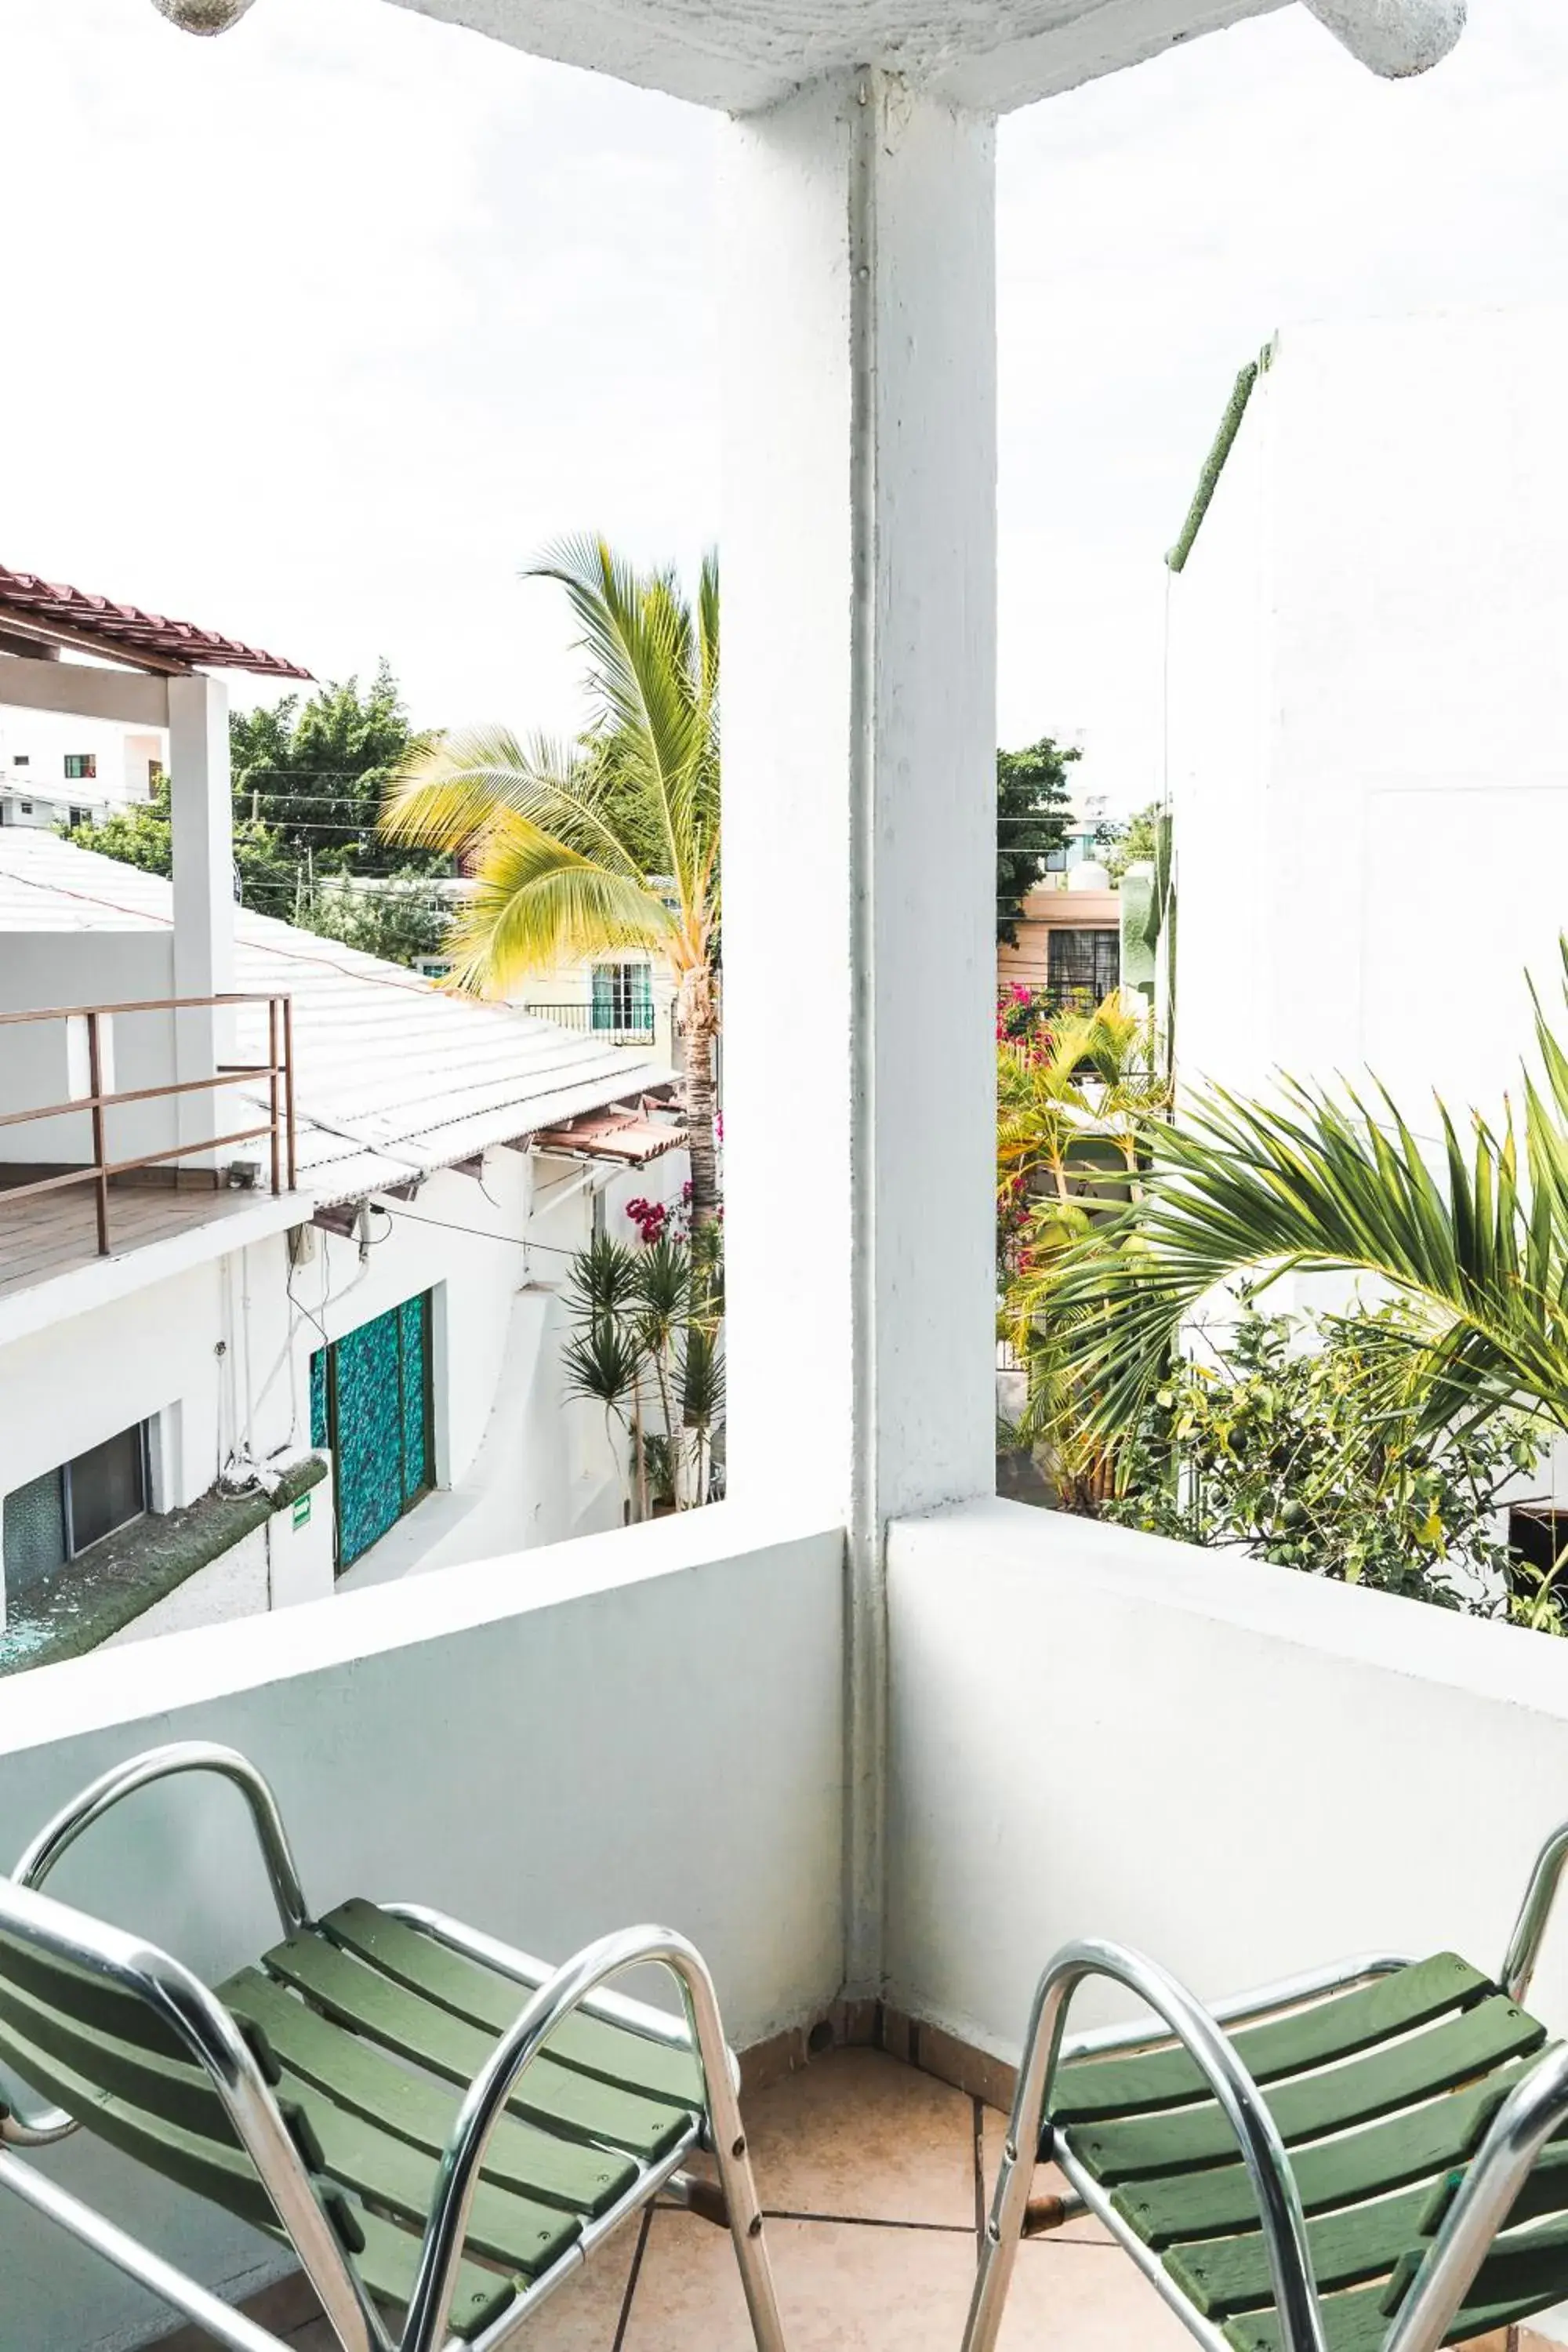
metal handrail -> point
(462, 2161)
(278, 1070)
(580, 1016)
(1282, 2219)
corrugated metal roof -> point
(71, 616)
(393, 1077)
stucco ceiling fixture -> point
(1394, 36)
(202, 15)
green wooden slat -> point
(391, 2259)
(385, 2258)
(1368, 2163)
(417, 2029)
(182, 2094)
(1223, 2276)
(485, 1996)
(355, 2076)
(224, 2174)
(1357, 2321)
(1331, 2029)
(518, 2231)
(1454, 2050)
(97, 2001)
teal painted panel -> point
(413, 1335)
(319, 1427)
(370, 1435)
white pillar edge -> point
(202, 833)
(859, 555)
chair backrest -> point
(138, 2051)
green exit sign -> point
(302, 1511)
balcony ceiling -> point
(745, 55)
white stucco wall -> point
(40, 1063)
(1238, 1769)
(41, 739)
(1369, 741)
(218, 1357)
(494, 1746)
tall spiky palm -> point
(558, 839)
(1471, 1240)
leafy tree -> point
(398, 923)
(558, 837)
(1282, 1448)
(316, 771)
(143, 836)
(1031, 822)
(1131, 842)
(1467, 1240)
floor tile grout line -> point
(865, 2221)
(623, 2322)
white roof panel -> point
(393, 1077)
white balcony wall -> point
(1369, 751)
(646, 1728)
(41, 970)
(1238, 1769)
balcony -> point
(1232, 1767)
(588, 1019)
(114, 1150)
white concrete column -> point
(859, 545)
(202, 832)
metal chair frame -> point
(184, 2004)
(1530, 2115)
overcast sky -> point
(317, 332)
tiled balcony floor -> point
(875, 2179)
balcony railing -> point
(277, 1072)
(586, 1018)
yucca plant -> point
(1466, 1234)
(558, 838)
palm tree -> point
(1469, 1239)
(558, 839)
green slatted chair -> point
(1376, 2160)
(440, 2127)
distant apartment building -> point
(62, 770)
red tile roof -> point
(68, 616)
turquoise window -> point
(623, 996)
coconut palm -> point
(1469, 1239)
(558, 839)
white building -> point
(1369, 735)
(216, 1394)
(59, 769)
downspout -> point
(1395, 38)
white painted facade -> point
(39, 748)
(1369, 748)
(568, 993)
(216, 1361)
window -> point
(81, 816)
(60, 1515)
(26, 808)
(371, 1403)
(623, 997)
(23, 760)
(81, 767)
(156, 772)
(1084, 964)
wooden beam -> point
(130, 696)
(42, 631)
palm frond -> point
(453, 793)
